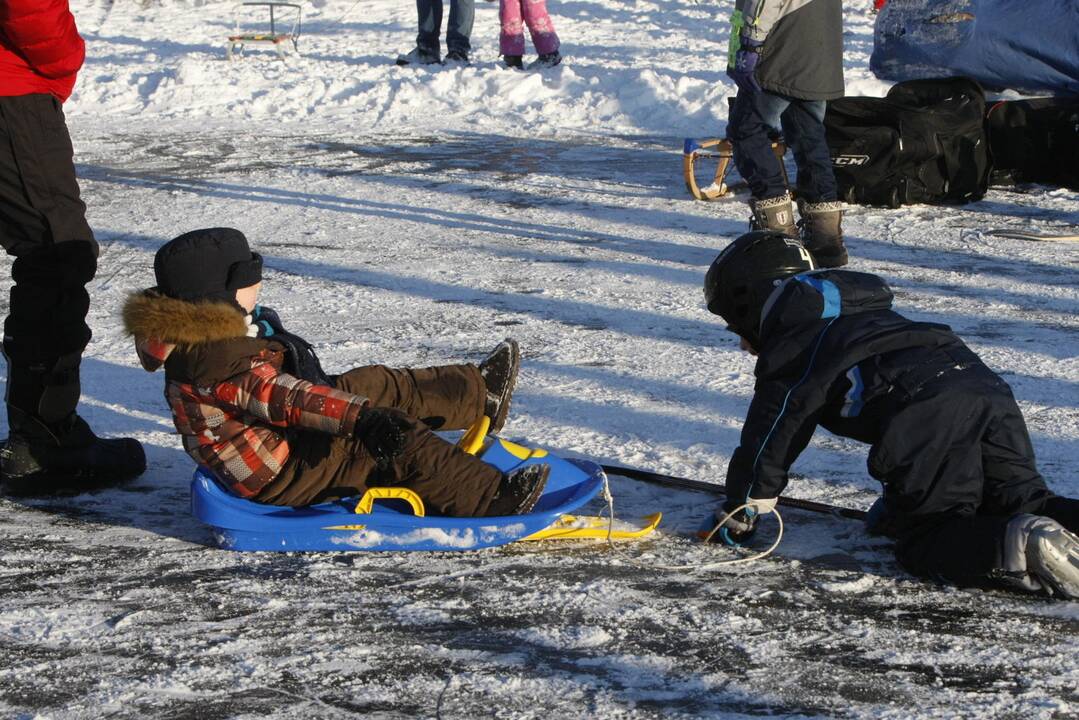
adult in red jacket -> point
(43, 224)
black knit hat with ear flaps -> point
(209, 264)
(745, 274)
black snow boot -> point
(457, 56)
(519, 491)
(822, 232)
(499, 372)
(50, 450)
(513, 61)
(545, 60)
(64, 458)
(775, 213)
(419, 56)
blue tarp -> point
(1026, 45)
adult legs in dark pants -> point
(43, 224)
(458, 28)
(754, 119)
(803, 129)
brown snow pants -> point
(322, 467)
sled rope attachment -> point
(681, 483)
(609, 498)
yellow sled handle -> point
(367, 502)
(472, 441)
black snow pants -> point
(43, 224)
(957, 464)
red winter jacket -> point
(40, 48)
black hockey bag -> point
(1035, 141)
(924, 142)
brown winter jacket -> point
(230, 401)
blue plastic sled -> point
(396, 521)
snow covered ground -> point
(416, 216)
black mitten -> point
(382, 432)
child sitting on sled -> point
(962, 495)
(254, 406)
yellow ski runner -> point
(574, 527)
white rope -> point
(330, 23)
(610, 510)
(708, 538)
(608, 497)
(751, 558)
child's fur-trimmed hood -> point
(161, 323)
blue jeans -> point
(458, 29)
(754, 118)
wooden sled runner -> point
(394, 518)
(288, 13)
(694, 152)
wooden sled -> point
(292, 12)
(694, 151)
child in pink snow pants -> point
(511, 41)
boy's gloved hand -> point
(740, 526)
(382, 432)
(745, 63)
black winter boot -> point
(545, 60)
(774, 214)
(519, 491)
(499, 372)
(64, 458)
(457, 56)
(513, 61)
(419, 56)
(822, 232)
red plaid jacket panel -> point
(237, 427)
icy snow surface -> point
(417, 216)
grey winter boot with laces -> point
(775, 213)
(822, 232)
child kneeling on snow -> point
(255, 408)
(962, 495)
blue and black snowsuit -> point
(948, 441)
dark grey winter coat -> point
(802, 55)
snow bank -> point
(640, 67)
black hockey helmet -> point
(745, 274)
